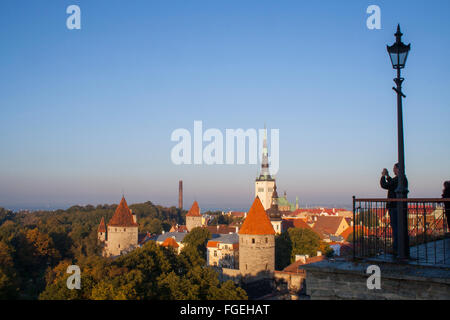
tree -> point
(198, 238)
(8, 281)
(296, 241)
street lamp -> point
(398, 53)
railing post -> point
(402, 230)
(354, 229)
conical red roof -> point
(123, 216)
(194, 211)
(101, 227)
(257, 221)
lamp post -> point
(398, 53)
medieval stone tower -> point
(101, 231)
(256, 242)
(193, 217)
(264, 184)
(122, 231)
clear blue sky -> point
(85, 114)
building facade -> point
(223, 251)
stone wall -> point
(347, 280)
(120, 238)
(256, 253)
(290, 281)
(193, 222)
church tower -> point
(274, 212)
(256, 242)
(264, 183)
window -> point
(124, 229)
(266, 266)
(260, 189)
(246, 267)
(118, 246)
(215, 253)
(270, 190)
(253, 240)
(115, 229)
(267, 240)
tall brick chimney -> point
(180, 194)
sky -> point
(87, 115)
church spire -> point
(265, 175)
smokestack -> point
(180, 194)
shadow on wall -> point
(265, 283)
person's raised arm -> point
(385, 180)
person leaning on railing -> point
(390, 184)
(446, 195)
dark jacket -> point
(390, 184)
(446, 195)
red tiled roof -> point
(344, 234)
(257, 221)
(194, 211)
(295, 223)
(122, 217)
(101, 227)
(212, 244)
(237, 214)
(293, 267)
(170, 242)
(222, 229)
(177, 228)
(327, 224)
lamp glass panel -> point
(402, 58)
(394, 59)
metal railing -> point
(427, 230)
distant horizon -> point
(203, 209)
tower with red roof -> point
(193, 217)
(122, 231)
(101, 231)
(256, 242)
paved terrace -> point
(434, 253)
